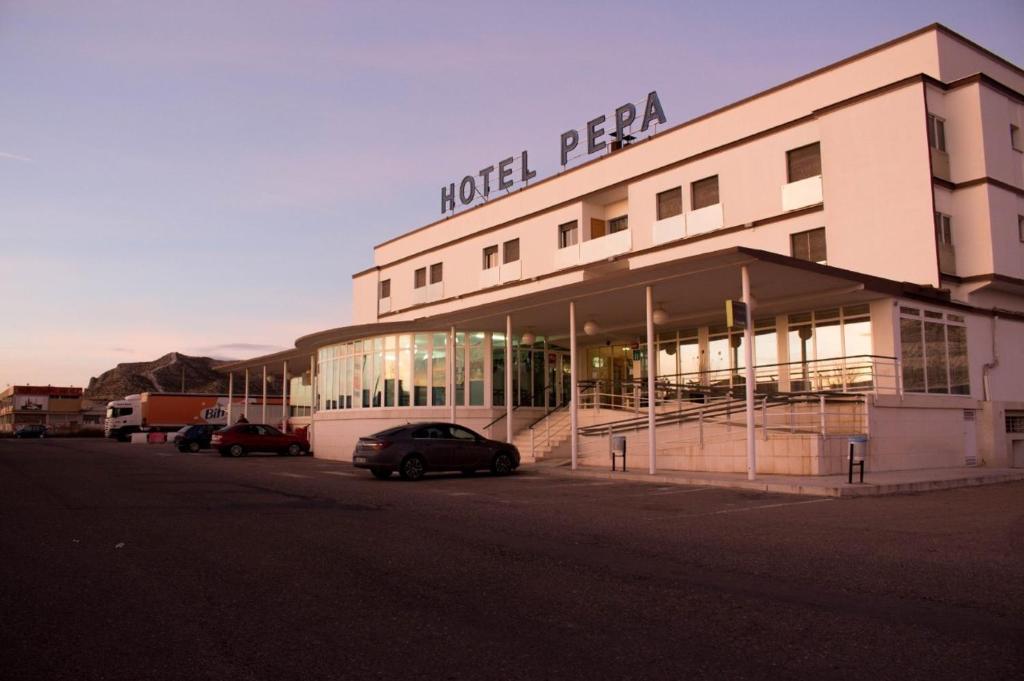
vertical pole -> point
(748, 359)
(231, 393)
(821, 409)
(310, 430)
(312, 385)
(284, 396)
(245, 404)
(452, 345)
(573, 416)
(652, 438)
(263, 415)
(508, 378)
(764, 417)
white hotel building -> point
(875, 207)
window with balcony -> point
(809, 245)
(944, 238)
(436, 273)
(803, 162)
(568, 234)
(944, 229)
(670, 203)
(419, 278)
(385, 289)
(510, 251)
(936, 133)
(619, 224)
(704, 193)
(490, 257)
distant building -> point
(58, 408)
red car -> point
(242, 438)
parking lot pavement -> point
(137, 561)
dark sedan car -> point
(242, 438)
(30, 430)
(194, 438)
(414, 449)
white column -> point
(508, 377)
(245, 404)
(231, 393)
(284, 396)
(451, 366)
(652, 355)
(748, 360)
(263, 415)
(312, 386)
(574, 397)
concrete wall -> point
(335, 433)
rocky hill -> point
(172, 373)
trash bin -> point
(619, 450)
(858, 448)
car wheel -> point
(502, 464)
(412, 468)
(236, 450)
(193, 447)
(294, 450)
(381, 473)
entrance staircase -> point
(706, 435)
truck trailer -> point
(168, 412)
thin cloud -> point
(15, 157)
(241, 347)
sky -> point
(205, 177)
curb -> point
(811, 489)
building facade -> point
(870, 214)
(60, 409)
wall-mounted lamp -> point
(659, 316)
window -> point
(943, 229)
(1020, 228)
(490, 257)
(510, 251)
(619, 224)
(936, 133)
(803, 162)
(934, 352)
(670, 203)
(704, 193)
(1015, 140)
(436, 273)
(420, 278)
(385, 289)
(809, 245)
(568, 234)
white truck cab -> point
(124, 417)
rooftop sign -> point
(504, 173)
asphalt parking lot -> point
(138, 562)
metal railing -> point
(545, 432)
(824, 414)
(854, 374)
